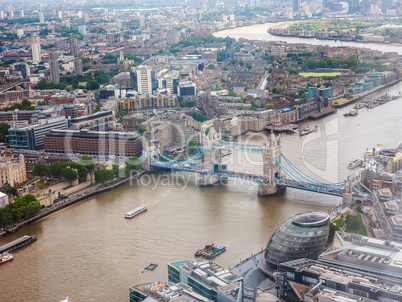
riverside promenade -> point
(65, 202)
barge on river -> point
(16, 244)
(210, 251)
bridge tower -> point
(148, 149)
(271, 169)
(212, 156)
(347, 195)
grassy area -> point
(341, 101)
(47, 183)
(320, 74)
(354, 224)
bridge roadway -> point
(185, 168)
(237, 147)
(200, 169)
(248, 176)
(324, 189)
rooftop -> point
(311, 219)
(381, 257)
(168, 291)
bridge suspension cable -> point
(309, 178)
(361, 194)
(171, 162)
(366, 187)
(287, 172)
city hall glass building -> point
(302, 236)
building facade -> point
(141, 102)
(363, 268)
(31, 137)
(104, 120)
(143, 80)
(36, 49)
(207, 279)
(302, 236)
(97, 143)
(54, 67)
(12, 170)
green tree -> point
(88, 162)
(311, 63)
(4, 131)
(141, 130)
(199, 117)
(12, 190)
(56, 169)
(41, 170)
(118, 172)
(104, 175)
(192, 147)
(133, 163)
(23, 207)
(211, 66)
(69, 174)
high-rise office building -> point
(142, 21)
(22, 67)
(74, 47)
(41, 17)
(143, 79)
(78, 66)
(229, 47)
(119, 23)
(295, 5)
(67, 23)
(110, 39)
(86, 18)
(36, 49)
(1, 15)
(79, 14)
(54, 68)
(21, 13)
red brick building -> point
(96, 143)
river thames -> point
(259, 32)
(90, 252)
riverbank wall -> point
(63, 204)
(363, 95)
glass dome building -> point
(302, 236)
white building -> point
(36, 49)
(12, 170)
(82, 29)
(41, 17)
(142, 79)
(3, 200)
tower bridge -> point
(275, 177)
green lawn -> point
(320, 74)
(354, 224)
